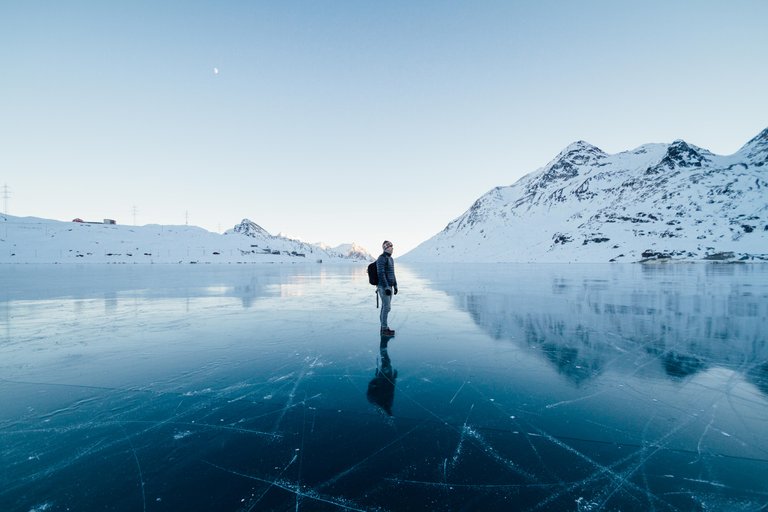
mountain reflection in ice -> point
(268, 387)
(689, 317)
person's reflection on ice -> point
(381, 389)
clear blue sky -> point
(342, 121)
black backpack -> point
(373, 274)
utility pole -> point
(134, 215)
(6, 196)
(186, 217)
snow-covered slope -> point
(659, 201)
(352, 250)
(34, 240)
(289, 245)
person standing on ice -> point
(385, 267)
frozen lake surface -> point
(268, 387)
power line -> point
(6, 196)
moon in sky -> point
(215, 71)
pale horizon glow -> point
(342, 122)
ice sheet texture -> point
(268, 387)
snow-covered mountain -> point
(352, 250)
(659, 201)
(345, 251)
(35, 240)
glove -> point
(387, 292)
(395, 290)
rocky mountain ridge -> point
(250, 229)
(659, 201)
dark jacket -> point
(385, 266)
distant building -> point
(106, 221)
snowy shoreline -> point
(41, 241)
